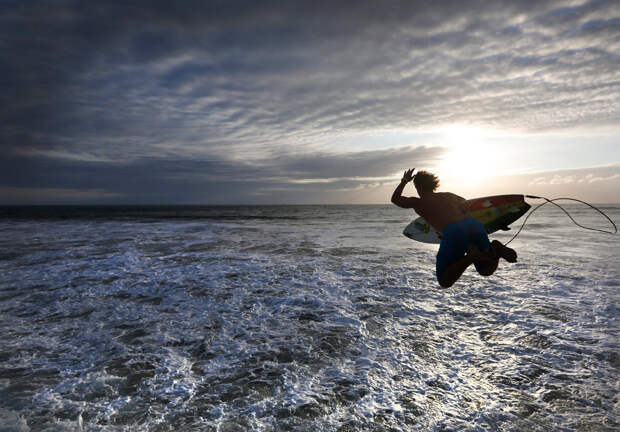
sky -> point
(273, 102)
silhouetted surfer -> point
(464, 240)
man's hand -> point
(408, 175)
(397, 197)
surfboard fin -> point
(505, 228)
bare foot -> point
(501, 251)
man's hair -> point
(426, 181)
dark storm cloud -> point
(120, 83)
(376, 163)
(185, 181)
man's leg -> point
(485, 262)
(453, 271)
(500, 251)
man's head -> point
(425, 182)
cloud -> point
(263, 86)
(599, 184)
(592, 179)
(576, 176)
(25, 195)
(376, 163)
(248, 73)
(298, 177)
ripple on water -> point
(263, 326)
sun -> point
(472, 156)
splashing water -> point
(300, 318)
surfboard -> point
(495, 212)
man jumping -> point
(464, 241)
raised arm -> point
(398, 199)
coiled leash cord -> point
(552, 201)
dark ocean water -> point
(322, 318)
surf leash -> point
(552, 201)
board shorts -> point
(455, 240)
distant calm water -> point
(300, 318)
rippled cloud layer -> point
(264, 89)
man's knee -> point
(444, 283)
(486, 272)
(486, 269)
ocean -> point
(300, 318)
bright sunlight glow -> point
(472, 158)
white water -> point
(303, 318)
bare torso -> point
(440, 209)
